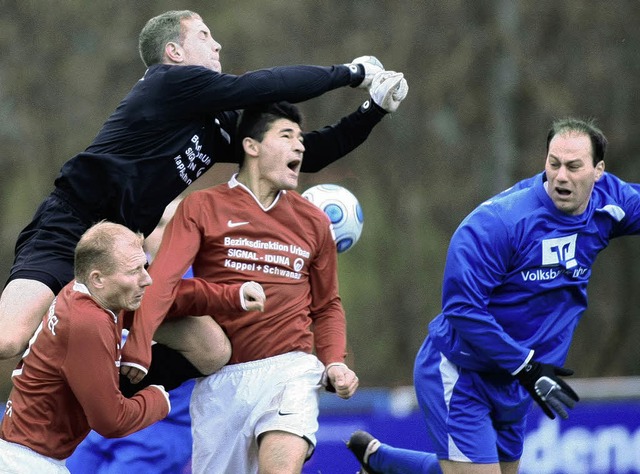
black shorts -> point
(45, 248)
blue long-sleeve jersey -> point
(515, 280)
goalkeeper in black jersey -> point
(175, 123)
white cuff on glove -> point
(371, 66)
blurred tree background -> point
(486, 78)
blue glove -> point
(547, 389)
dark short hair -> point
(587, 127)
(255, 122)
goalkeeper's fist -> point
(371, 66)
(388, 89)
(548, 390)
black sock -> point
(168, 368)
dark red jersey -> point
(229, 238)
(67, 381)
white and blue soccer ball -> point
(343, 209)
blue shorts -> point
(45, 248)
(471, 416)
(162, 448)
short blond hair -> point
(96, 248)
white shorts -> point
(233, 407)
(18, 459)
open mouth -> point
(294, 165)
(563, 192)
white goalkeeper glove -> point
(371, 65)
(388, 89)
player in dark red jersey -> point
(67, 380)
(174, 124)
(165, 446)
(260, 411)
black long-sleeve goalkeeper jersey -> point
(177, 121)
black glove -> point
(547, 389)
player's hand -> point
(371, 66)
(388, 89)
(165, 393)
(252, 296)
(548, 390)
(134, 374)
(342, 380)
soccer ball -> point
(343, 209)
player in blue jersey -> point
(175, 123)
(514, 289)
